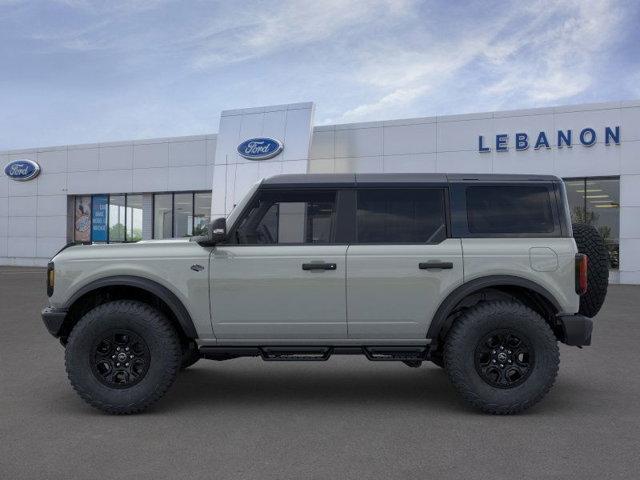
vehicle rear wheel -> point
(591, 243)
(502, 357)
(122, 356)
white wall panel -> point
(52, 226)
(51, 205)
(188, 178)
(117, 157)
(630, 156)
(358, 165)
(4, 206)
(322, 144)
(151, 155)
(103, 181)
(420, 138)
(464, 162)
(150, 180)
(420, 162)
(358, 142)
(46, 247)
(21, 207)
(463, 135)
(21, 246)
(188, 153)
(22, 189)
(52, 161)
(83, 159)
(630, 124)
(52, 183)
(22, 227)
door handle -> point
(435, 265)
(319, 266)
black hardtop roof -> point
(394, 179)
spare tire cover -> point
(591, 243)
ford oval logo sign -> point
(22, 170)
(260, 148)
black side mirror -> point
(216, 233)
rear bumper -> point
(576, 329)
(53, 319)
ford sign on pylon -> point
(260, 148)
(22, 170)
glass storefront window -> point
(134, 218)
(201, 212)
(182, 215)
(596, 202)
(82, 219)
(162, 215)
(117, 218)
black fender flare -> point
(461, 292)
(160, 291)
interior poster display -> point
(82, 223)
(99, 210)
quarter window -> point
(401, 216)
(514, 209)
(289, 218)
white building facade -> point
(172, 187)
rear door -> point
(401, 264)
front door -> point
(281, 275)
(401, 264)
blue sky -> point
(76, 71)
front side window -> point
(509, 209)
(401, 216)
(289, 218)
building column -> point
(147, 216)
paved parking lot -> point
(346, 418)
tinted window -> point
(289, 217)
(509, 209)
(401, 216)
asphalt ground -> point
(346, 418)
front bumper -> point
(576, 329)
(53, 319)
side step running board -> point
(317, 353)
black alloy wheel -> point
(504, 358)
(120, 359)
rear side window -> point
(401, 216)
(510, 209)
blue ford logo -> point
(22, 170)
(260, 148)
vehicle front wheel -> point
(122, 356)
(502, 357)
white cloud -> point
(543, 51)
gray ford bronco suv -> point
(480, 274)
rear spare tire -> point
(591, 243)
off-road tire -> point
(468, 332)
(164, 355)
(591, 243)
(190, 355)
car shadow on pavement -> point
(398, 386)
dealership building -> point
(171, 187)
